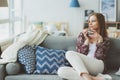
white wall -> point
(59, 10)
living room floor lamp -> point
(74, 3)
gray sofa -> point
(7, 72)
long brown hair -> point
(101, 21)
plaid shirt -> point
(101, 50)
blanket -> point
(34, 37)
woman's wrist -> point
(100, 39)
(86, 42)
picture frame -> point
(108, 8)
(87, 13)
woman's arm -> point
(80, 46)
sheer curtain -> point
(11, 18)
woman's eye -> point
(93, 20)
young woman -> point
(92, 45)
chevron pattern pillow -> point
(49, 60)
(26, 56)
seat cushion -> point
(49, 60)
(32, 77)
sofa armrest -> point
(13, 68)
(2, 72)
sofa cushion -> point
(49, 60)
(113, 56)
(26, 56)
(0, 51)
(60, 42)
(13, 68)
(32, 77)
(2, 72)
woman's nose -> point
(90, 23)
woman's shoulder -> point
(106, 38)
(80, 34)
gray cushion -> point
(44, 77)
(13, 68)
(2, 72)
(33, 77)
(0, 50)
(71, 48)
(113, 55)
(60, 42)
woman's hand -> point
(96, 37)
(85, 31)
(92, 38)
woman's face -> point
(93, 23)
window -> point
(4, 23)
(11, 19)
(16, 17)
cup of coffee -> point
(89, 32)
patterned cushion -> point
(26, 56)
(49, 60)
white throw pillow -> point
(29, 36)
(10, 54)
(39, 38)
(51, 28)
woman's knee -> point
(69, 54)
